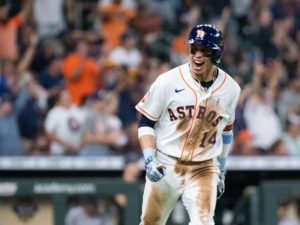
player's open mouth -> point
(198, 64)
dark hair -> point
(89, 199)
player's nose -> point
(199, 54)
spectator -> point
(278, 148)
(10, 143)
(129, 92)
(146, 24)
(97, 140)
(289, 98)
(8, 77)
(87, 213)
(8, 30)
(36, 100)
(259, 114)
(282, 213)
(80, 72)
(52, 79)
(31, 115)
(240, 10)
(64, 126)
(46, 52)
(115, 19)
(113, 123)
(126, 54)
(292, 135)
(263, 37)
(50, 18)
(13, 71)
(164, 8)
(244, 144)
(104, 129)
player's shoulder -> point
(231, 84)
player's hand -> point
(221, 185)
(154, 170)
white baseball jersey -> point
(190, 118)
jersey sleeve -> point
(154, 102)
(232, 107)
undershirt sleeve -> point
(145, 122)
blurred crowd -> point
(71, 71)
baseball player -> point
(185, 132)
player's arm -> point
(154, 170)
(151, 107)
(227, 136)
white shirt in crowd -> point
(121, 56)
(49, 16)
(68, 125)
(262, 122)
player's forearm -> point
(147, 141)
(227, 144)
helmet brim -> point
(203, 43)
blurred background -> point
(71, 72)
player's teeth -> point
(198, 63)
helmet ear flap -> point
(216, 57)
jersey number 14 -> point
(211, 139)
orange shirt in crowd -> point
(8, 38)
(179, 45)
(87, 81)
(115, 22)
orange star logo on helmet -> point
(200, 34)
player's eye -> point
(206, 52)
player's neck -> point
(209, 75)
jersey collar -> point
(196, 85)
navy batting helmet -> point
(210, 37)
